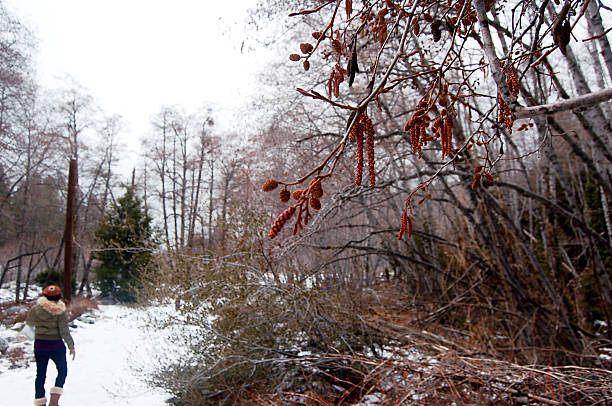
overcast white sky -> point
(136, 55)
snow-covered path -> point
(103, 372)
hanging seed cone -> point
(316, 188)
(284, 195)
(269, 185)
(315, 203)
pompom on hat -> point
(52, 291)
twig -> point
(598, 36)
(314, 10)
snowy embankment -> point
(112, 356)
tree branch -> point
(577, 102)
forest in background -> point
(479, 132)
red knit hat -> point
(52, 291)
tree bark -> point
(596, 28)
(69, 231)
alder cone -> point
(415, 27)
(564, 36)
(315, 203)
(316, 189)
(390, 4)
(317, 35)
(337, 46)
(294, 57)
(269, 185)
(306, 48)
(436, 32)
(284, 195)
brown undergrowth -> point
(81, 305)
(446, 378)
(428, 363)
(334, 345)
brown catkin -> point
(418, 125)
(505, 114)
(512, 80)
(280, 222)
(357, 129)
(406, 225)
(447, 136)
(269, 185)
(414, 139)
(284, 195)
(369, 130)
(371, 168)
(359, 171)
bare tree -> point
(421, 102)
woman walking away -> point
(48, 317)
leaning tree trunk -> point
(596, 29)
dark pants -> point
(42, 360)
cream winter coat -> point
(50, 321)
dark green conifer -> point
(125, 241)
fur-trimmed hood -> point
(55, 308)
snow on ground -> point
(108, 354)
(7, 293)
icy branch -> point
(577, 102)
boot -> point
(40, 402)
(55, 395)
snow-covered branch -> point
(564, 105)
